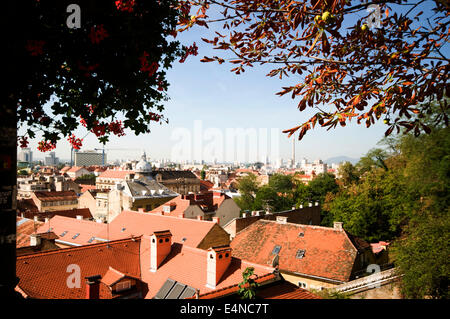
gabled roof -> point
(112, 276)
(327, 252)
(45, 274)
(67, 228)
(132, 223)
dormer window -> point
(276, 250)
(300, 254)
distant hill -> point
(338, 159)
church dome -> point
(143, 166)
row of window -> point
(60, 203)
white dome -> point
(143, 165)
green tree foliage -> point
(348, 174)
(403, 196)
(203, 174)
(374, 158)
(422, 256)
(247, 186)
(281, 183)
(108, 73)
(248, 286)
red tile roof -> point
(285, 290)
(115, 174)
(329, 253)
(85, 187)
(55, 196)
(132, 223)
(84, 228)
(25, 227)
(45, 274)
(187, 265)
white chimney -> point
(35, 240)
(310, 204)
(160, 245)
(80, 217)
(282, 219)
(337, 225)
(218, 260)
(244, 215)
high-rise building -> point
(25, 155)
(89, 158)
(51, 160)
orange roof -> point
(134, 223)
(116, 174)
(74, 169)
(85, 188)
(25, 227)
(285, 290)
(187, 265)
(45, 274)
(328, 253)
(55, 196)
(66, 228)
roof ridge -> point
(91, 246)
(304, 225)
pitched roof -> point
(327, 252)
(187, 265)
(54, 196)
(132, 223)
(285, 290)
(85, 187)
(27, 205)
(67, 228)
(25, 227)
(45, 274)
(115, 174)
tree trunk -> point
(8, 191)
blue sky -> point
(209, 92)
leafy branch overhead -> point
(341, 64)
(108, 74)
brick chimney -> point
(218, 260)
(160, 245)
(93, 287)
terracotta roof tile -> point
(54, 196)
(73, 231)
(25, 227)
(328, 253)
(45, 274)
(115, 174)
(187, 265)
(132, 223)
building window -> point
(300, 254)
(302, 285)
